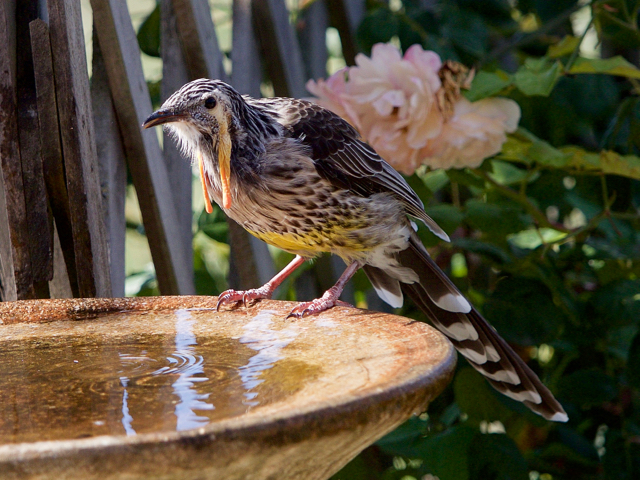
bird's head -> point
(200, 116)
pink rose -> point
(475, 131)
(392, 100)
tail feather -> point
(474, 338)
(388, 288)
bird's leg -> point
(265, 291)
(330, 297)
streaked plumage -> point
(299, 177)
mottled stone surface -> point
(357, 376)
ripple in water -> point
(66, 386)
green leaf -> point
(217, 231)
(378, 26)
(612, 66)
(620, 461)
(446, 454)
(357, 469)
(524, 146)
(581, 446)
(587, 388)
(447, 216)
(403, 439)
(494, 12)
(496, 456)
(559, 451)
(533, 238)
(616, 21)
(486, 84)
(435, 180)
(419, 186)
(617, 303)
(543, 153)
(507, 173)
(566, 46)
(467, 31)
(465, 177)
(149, 33)
(495, 220)
(523, 311)
(475, 397)
(624, 129)
(608, 161)
(633, 363)
(489, 250)
(538, 76)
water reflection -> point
(190, 364)
(269, 344)
(126, 418)
(118, 381)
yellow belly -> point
(312, 243)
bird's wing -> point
(341, 157)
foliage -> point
(548, 234)
(545, 241)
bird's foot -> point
(328, 300)
(244, 296)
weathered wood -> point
(17, 220)
(40, 239)
(59, 285)
(78, 144)
(312, 34)
(279, 46)
(345, 16)
(174, 75)
(200, 44)
(246, 74)
(52, 160)
(7, 279)
(133, 104)
(250, 261)
(7, 65)
(113, 168)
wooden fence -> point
(66, 142)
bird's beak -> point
(162, 116)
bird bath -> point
(168, 388)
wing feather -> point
(343, 158)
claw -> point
(244, 296)
(228, 296)
(314, 307)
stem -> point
(455, 194)
(538, 216)
(621, 23)
(519, 39)
(415, 26)
(576, 51)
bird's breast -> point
(324, 219)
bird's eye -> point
(210, 103)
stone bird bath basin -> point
(166, 388)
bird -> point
(301, 178)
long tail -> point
(472, 336)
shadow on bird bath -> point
(168, 388)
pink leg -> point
(265, 291)
(330, 297)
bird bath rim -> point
(415, 390)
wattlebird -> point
(299, 177)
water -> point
(109, 379)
